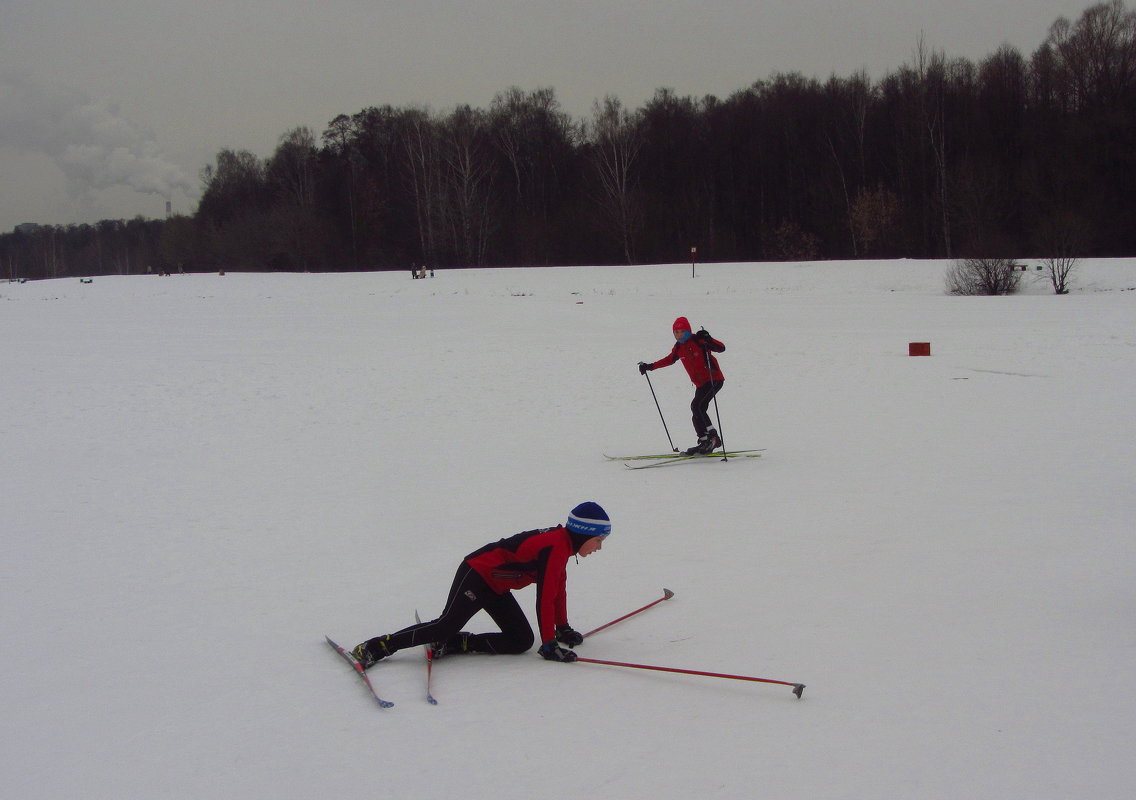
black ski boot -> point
(458, 643)
(707, 443)
(371, 651)
(713, 441)
(702, 447)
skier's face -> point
(680, 334)
(591, 546)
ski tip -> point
(798, 689)
(668, 594)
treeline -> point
(941, 158)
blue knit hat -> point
(589, 519)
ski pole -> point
(716, 413)
(648, 377)
(667, 595)
(798, 688)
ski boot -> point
(702, 447)
(458, 643)
(371, 651)
(707, 443)
(713, 441)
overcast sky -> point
(110, 107)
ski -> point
(666, 462)
(429, 648)
(362, 673)
(680, 453)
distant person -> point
(485, 581)
(694, 351)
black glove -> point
(567, 635)
(644, 368)
(551, 651)
(704, 335)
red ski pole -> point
(667, 595)
(798, 688)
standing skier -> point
(485, 581)
(694, 350)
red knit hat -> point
(681, 324)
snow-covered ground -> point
(203, 475)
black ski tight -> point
(468, 595)
(699, 405)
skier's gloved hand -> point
(551, 651)
(567, 635)
(644, 367)
(704, 335)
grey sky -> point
(109, 107)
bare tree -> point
(932, 71)
(983, 276)
(295, 223)
(1062, 237)
(526, 127)
(616, 143)
(423, 153)
(874, 215)
(849, 101)
(790, 243)
(536, 141)
(236, 185)
(178, 244)
(469, 179)
(291, 169)
(1097, 55)
(1059, 270)
(340, 139)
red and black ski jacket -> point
(537, 556)
(693, 355)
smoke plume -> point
(90, 141)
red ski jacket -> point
(692, 353)
(537, 556)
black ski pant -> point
(699, 405)
(468, 595)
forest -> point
(1012, 156)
